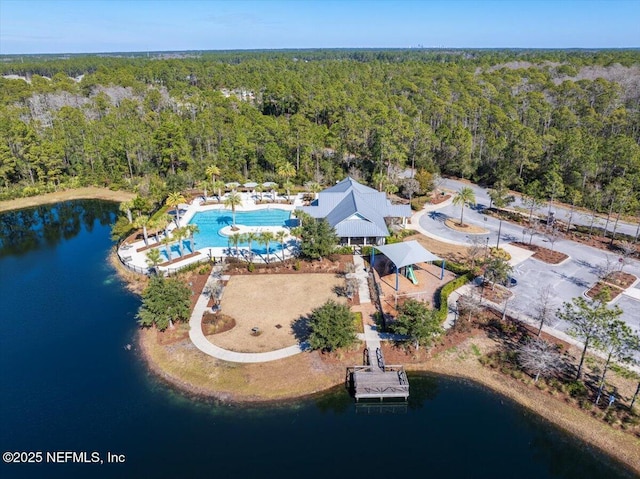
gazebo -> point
(406, 255)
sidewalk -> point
(202, 343)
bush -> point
(453, 267)
(418, 202)
(577, 389)
(499, 253)
(447, 289)
(332, 327)
(344, 249)
(251, 267)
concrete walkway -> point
(202, 343)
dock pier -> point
(377, 380)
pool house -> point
(359, 214)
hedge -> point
(446, 290)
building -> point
(359, 214)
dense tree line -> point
(554, 124)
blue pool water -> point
(211, 222)
(175, 250)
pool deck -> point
(137, 260)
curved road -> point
(561, 212)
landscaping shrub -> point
(447, 289)
(418, 202)
(577, 389)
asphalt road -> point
(561, 213)
(570, 279)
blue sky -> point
(89, 26)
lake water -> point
(69, 384)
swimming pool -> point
(211, 222)
(175, 250)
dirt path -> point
(89, 192)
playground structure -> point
(405, 270)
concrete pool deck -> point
(137, 260)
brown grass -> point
(266, 301)
(182, 365)
(90, 192)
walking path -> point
(203, 344)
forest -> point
(553, 124)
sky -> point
(92, 26)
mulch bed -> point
(495, 295)
(334, 264)
(216, 323)
(180, 258)
(437, 199)
(543, 254)
(615, 282)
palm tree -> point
(232, 201)
(286, 171)
(173, 200)
(212, 171)
(281, 236)
(190, 230)
(265, 238)
(155, 225)
(142, 222)
(260, 189)
(464, 197)
(313, 187)
(178, 235)
(154, 258)
(287, 186)
(251, 236)
(166, 241)
(236, 238)
(217, 186)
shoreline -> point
(618, 446)
(85, 193)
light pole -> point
(499, 232)
(486, 249)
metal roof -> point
(355, 210)
(404, 254)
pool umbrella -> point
(233, 184)
(251, 184)
(269, 184)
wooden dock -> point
(376, 380)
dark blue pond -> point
(69, 384)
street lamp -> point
(499, 232)
(486, 248)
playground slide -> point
(411, 275)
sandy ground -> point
(77, 194)
(266, 301)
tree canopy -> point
(418, 322)
(568, 120)
(331, 327)
(164, 301)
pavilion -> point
(405, 255)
